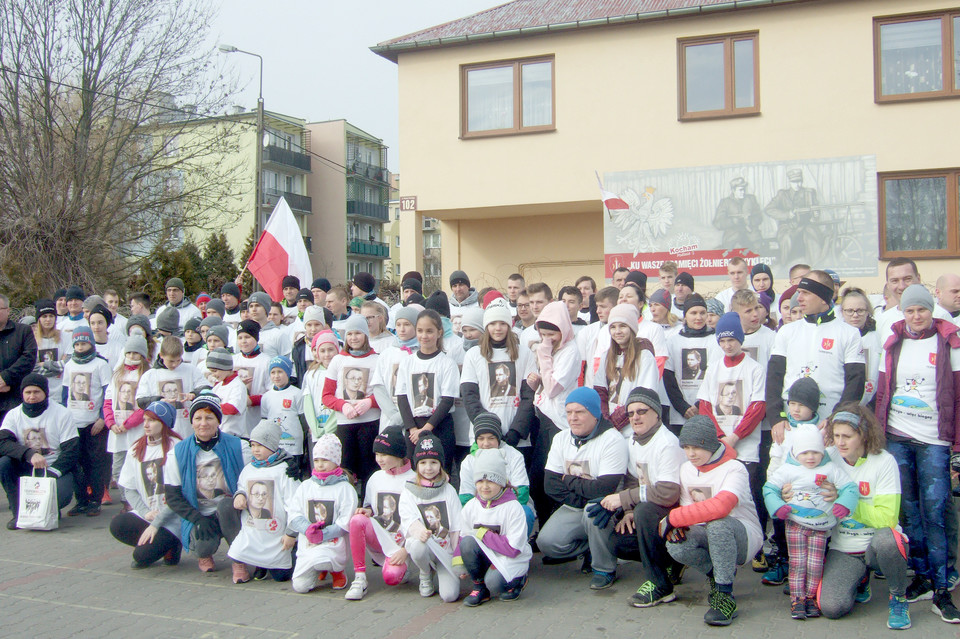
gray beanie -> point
(715, 306)
(260, 298)
(217, 306)
(699, 431)
(646, 397)
(409, 314)
(916, 295)
(267, 434)
(491, 466)
(169, 320)
(210, 321)
(805, 391)
(92, 302)
(136, 344)
(221, 331)
(473, 316)
(140, 320)
(175, 282)
(220, 359)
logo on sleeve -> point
(933, 359)
(865, 488)
(826, 344)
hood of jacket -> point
(471, 299)
(556, 313)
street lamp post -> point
(227, 48)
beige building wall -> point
(327, 185)
(616, 110)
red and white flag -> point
(612, 201)
(280, 252)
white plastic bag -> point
(38, 503)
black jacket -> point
(18, 355)
(299, 357)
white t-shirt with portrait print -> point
(385, 375)
(605, 454)
(499, 396)
(210, 482)
(186, 378)
(285, 407)
(445, 530)
(135, 475)
(336, 503)
(382, 496)
(260, 541)
(644, 374)
(679, 348)
(45, 432)
(425, 381)
(750, 383)
(86, 406)
(54, 350)
(657, 460)
(234, 393)
(122, 410)
(344, 369)
(508, 520)
(254, 372)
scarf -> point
(686, 331)
(324, 475)
(227, 449)
(252, 353)
(821, 318)
(434, 491)
(36, 409)
(579, 441)
(356, 353)
(644, 439)
(192, 348)
(411, 345)
(84, 358)
(329, 479)
(469, 343)
(399, 470)
(269, 461)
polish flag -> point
(280, 252)
(612, 201)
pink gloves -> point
(783, 512)
(314, 533)
(363, 406)
(349, 411)
(840, 511)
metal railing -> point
(368, 209)
(368, 248)
(278, 155)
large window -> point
(919, 214)
(719, 76)
(917, 56)
(512, 96)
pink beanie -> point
(324, 337)
(626, 313)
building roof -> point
(535, 17)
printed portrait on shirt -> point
(642, 476)
(729, 399)
(387, 506)
(171, 391)
(260, 498)
(36, 438)
(694, 363)
(700, 493)
(753, 352)
(126, 401)
(320, 511)
(503, 382)
(50, 355)
(80, 390)
(577, 468)
(211, 483)
(245, 373)
(355, 382)
(151, 472)
(422, 384)
(435, 518)
(393, 378)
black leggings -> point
(545, 505)
(357, 440)
(93, 471)
(127, 528)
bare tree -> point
(97, 163)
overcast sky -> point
(317, 63)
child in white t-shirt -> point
(283, 404)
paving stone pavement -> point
(77, 582)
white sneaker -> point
(358, 588)
(426, 584)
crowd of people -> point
(809, 436)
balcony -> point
(380, 212)
(368, 248)
(297, 202)
(273, 154)
(369, 171)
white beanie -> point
(313, 313)
(328, 447)
(626, 313)
(497, 311)
(355, 322)
(491, 466)
(473, 317)
(806, 439)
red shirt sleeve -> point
(329, 395)
(751, 419)
(717, 507)
(706, 409)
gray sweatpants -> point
(718, 546)
(565, 534)
(842, 573)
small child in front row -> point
(264, 494)
(320, 513)
(376, 526)
(233, 395)
(430, 520)
(809, 517)
(487, 433)
(494, 547)
(283, 404)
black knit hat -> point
(459, 277)
(429, 447)
(207, 399)
(412, 283)
(60, 292)
(647, 397)
(391, 442)
(102, 310)
(639, 278)
(305, 294)
(290, 281)
(438, 302)
(251, 328)
(75, 293)
(412, 275)
(230, 289)
(686, 279)
(693, 300)
(364, 281)
(805, 391)
(45, 306)
(487, 423)
(700, 431)
(35, 379)
(322, 283)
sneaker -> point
(136, 565)
(602, 580)
(878, 575)
(479, 595)
(512, 590)
(863, 590)
(172, 557)
(93, 510)
(812, 609)
(776, 575)
(78, 509)
(358, 588)
(649, 595)
(339, 580)
(953, 578)
(919, 589)
(426, 584)
(798, 609)
(675, 573)
(760, 563)
(723, 609)
(107, 499)
(206, 564)
(899, 615)
(259, 574)
(12, 524)
(240, 573)
(586, 565)
(943, 606)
